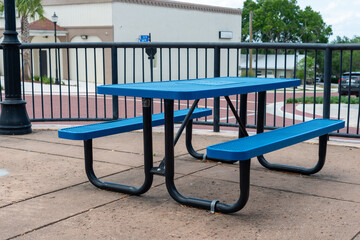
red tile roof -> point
(45, 24)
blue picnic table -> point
(241, 150)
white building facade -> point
(126, 21)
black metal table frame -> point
(166, 167)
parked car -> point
(345, 84)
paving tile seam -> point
(66, 156)
(312, 177)
(356, 235)
(80, 146)
(65, 218)
(123, 196)
(60, 189)
(306, 194)
(280, 190)
(262, 169)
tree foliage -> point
(341, 60)
(27, 9)
(283, 21)
(310, 68)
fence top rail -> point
(308, 46)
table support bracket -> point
(244, 167)
(160, 170)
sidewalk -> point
(45, 193)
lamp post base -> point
(14, 119)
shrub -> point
(320, 100)
(45, 79)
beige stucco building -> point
(126, 21)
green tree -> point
(341, 60)
(310, 68)
(283, 21)
(27, 9)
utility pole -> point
(251, 38)
(14, 119)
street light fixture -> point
(54, 19)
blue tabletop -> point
(197, 88)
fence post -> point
(327, 83)
(115, 80)
(14, 119)
(216, 127)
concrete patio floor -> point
(45, 193)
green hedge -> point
(319, 100)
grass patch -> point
(45, 79)
(319, 100)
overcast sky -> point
(343, 15)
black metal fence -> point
(59, 80)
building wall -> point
(81, 15)
(172, 24)
(168, 24)
(125, 21)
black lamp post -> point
(14, 119)
(54, 19)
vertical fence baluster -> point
(340, 85)
(179, 67)
(104, 78)
(228, 74)
(32, 82)
(68, 76)
(161, 76)
(187, 70)
(315, 73)
(77, 80)
(327, 83)
(125, 100)
(304, 90)
(275, 93)
(51, 86)
(22, 76)
(294, 88)
(59, 74)
(41, 85)
(95, 79)
(143, 64)
(237, 75)
(86, 84)
(256, 94)
(285, 73)
(206, 75)
(134, 77)
(114, 72)
(349, 94)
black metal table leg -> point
(188, 142)
(170, 172)
(283, 167)
(160, 170)
(148, 159)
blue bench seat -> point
(97, 130)
(259, 144)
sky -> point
(342, 15)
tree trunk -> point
(25, 38)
